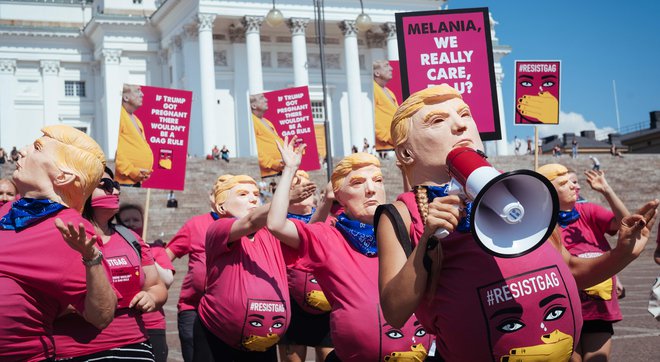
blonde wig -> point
(552, 171)
(78, 154)
(224, 183)
(350, 163)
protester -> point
(595, 163)
(574, 148)
(365, 146)
(132, 217)
(517, 144)
(133, 275)
(8, 191)
(134, 159)
(583, 229)
(190, 240)
(215, 152)
(310, 318)
(572, 178)
(453, 285)
(344, 259)
(41, 273)
(245, 309)
(225, 153)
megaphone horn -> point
(513, 213)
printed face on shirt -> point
(361, 192)
(403, 339)
(241, 200)
(36, 168)
(264, 323)
(7, 192)
(565, 192)
(531, 311)
(435, 130)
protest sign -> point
(537, 92)
(387, 97)
(452, 47)
(153, 137)
(281, 113)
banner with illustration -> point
(281, 113)
(537, 92)
(153, 137)
(453, 47)
(387, 98)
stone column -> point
(8, 123)
(375, 43)
(112, 89)
(252, 26)
(392, 49)
(50, 69)
(175, 61)
(352, 62)
(207, 79)
(299, 45)
(244, 139)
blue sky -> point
(597, 42)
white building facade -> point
(64, 61)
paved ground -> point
(636, 338)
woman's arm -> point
(165, 275)
(634, 232)
(100, 300)
(325, 205)
(403, 282)
(598, 183)
(278, 224)
(153, 294)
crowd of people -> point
(326, 266)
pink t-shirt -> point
(40, 275)
(190, 240)
(247, 297)
(302, 283)
(486, 306)
(585, 238)
(156, 319)
(75, 337)
(350, 282)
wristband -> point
(96, 261)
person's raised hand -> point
(301, 191)
(291, 154)
(544, 107)
(444, 213)
(635, 229)
(77, 239)
(596, 179)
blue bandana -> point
(568, 217)
(359, 235)
(303, 218)
(214, 215)
(441, 191)
(27, 211)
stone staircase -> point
(636, 179)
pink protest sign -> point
(281, 113)
(153, 137)
(537, 92)
(453, 47)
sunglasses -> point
(108, 185)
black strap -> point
(399, 226)
(130, 239)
